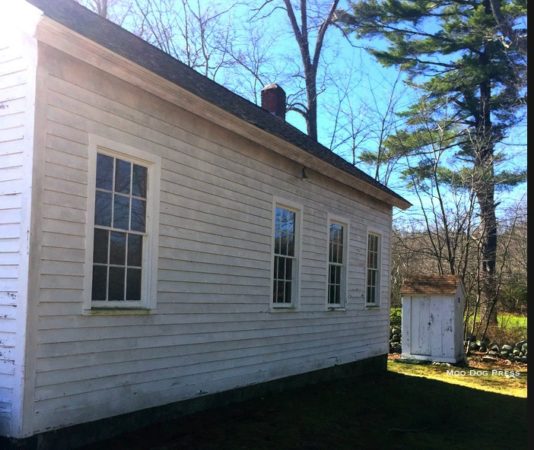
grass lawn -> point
(390, 411)
(499, 378)
(509, 327)
(512, 321)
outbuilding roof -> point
(120, 41)
(430, 284)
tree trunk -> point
(485, 192)
(485, 196)
(311, 94)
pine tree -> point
(466, 60)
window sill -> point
(336, 308)
(117, 312)
(281, 309)
(372, 306)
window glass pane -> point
(334, 253)
(99, 283)
(290, 233)
(104, 172)
(283, 248)
(291, 243)
(121, 212)
(279, 267)
(100, 246)
(289, 269)
(117, 251)
(337, 275)
(278, 231)
(103, 208)
(283, 241)
(122, 176)
(280, 291)
(135, 250)
(133, 284)
(370, 295)
(332, 276)
(287, 298)
(138, 215)
(275, 290)
(139, 181)
(337, 296)
(116, 283)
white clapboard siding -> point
(212, 328)
(14, 147)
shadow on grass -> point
(390, 411)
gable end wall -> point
(18, 55)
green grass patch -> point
(388, 411)
(512, 321)
(498, 379)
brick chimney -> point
(273, 99)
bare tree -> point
(309, 22)
(256, 65)
(196, 33)
(350, 129)
(382, 120)
(115, 10)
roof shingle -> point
(430, 284)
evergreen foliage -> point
(466, 59)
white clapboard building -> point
(163, 239)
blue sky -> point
(348, 66)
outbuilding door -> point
(421, 324)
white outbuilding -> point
(432, 318)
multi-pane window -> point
(336, 264)
(119, 229)
(373, 268)
(285, 261)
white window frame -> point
(378, 295)
(149, 263)
(295, 290)
(333, 219)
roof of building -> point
(430, 284)
(120, 41)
